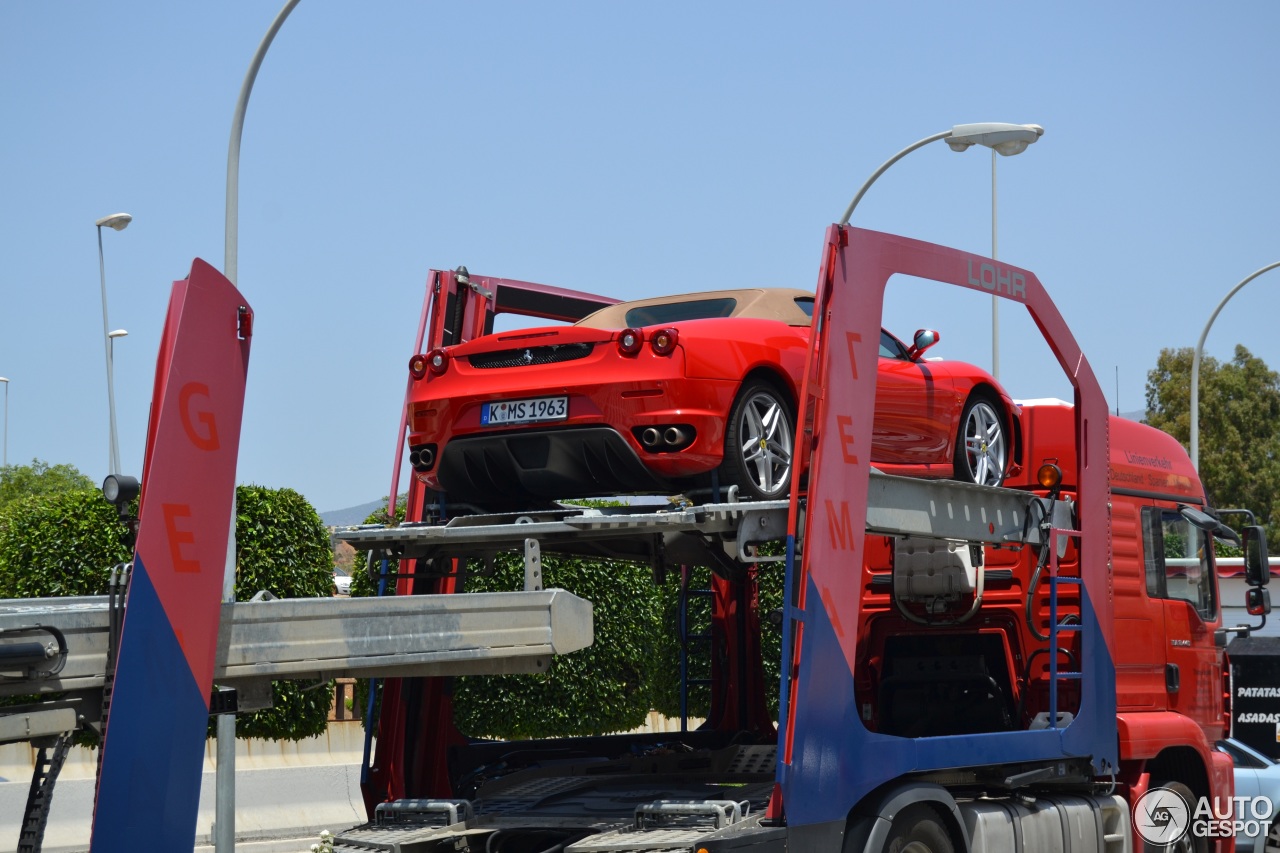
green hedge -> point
(59, 544)
(632, 667)
(604, 688)
(282, 546)
(666, 679)
(66, 544)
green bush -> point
(66, 543)
(603, 688)
(666, 680)
(632, 667)
(59, 544)
(283, 547)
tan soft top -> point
(768, 303)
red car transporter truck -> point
(974, 668)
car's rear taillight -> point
(664, 342)
(629, 341)
(437, 361)
(418, 366)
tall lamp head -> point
(117, 221)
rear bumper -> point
(543, 465)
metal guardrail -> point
(420, 635)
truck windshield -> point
(1179, 561)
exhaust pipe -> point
(673, 436)
(650, 437)
(422, 457)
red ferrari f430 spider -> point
(680, 393)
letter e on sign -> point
(844, 425)
(178, 538)
(205, 434)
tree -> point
(39, 478)
(1239, 426)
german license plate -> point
(524, 411)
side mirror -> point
(1257, 569)
(1257, 601)
(924, 339)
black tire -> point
(982, 441)
(1188, 843)
(759, 442)
(918, 829)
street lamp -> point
(117, 222)
(224, 824)
(1001, 138)
(1006, 139)
(111, 371)
(5, 380)
(1195, 365)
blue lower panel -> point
(836, 761)
(149, 791)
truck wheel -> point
(982, 446)
(918, 829)
(759, 442)
(1188, 843)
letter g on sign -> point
(203, 433)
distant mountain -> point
(350, 516)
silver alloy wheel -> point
(765, 434)
(1273, 835)
(985, 447)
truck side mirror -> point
(1257, 570)
(1257, 601)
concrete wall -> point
(283, 791)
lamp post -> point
(1001, 138)
(111, 371)
(995, 300)
(224, 827)
(5, 380)
(1006, 139)
(117, 222)
(1195, 365)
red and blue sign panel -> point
(153, 750)
(829, 759)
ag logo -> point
(1161, 816)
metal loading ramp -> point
(633, 803)
(896, 506)
(421, 635)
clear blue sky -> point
(630, 149)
